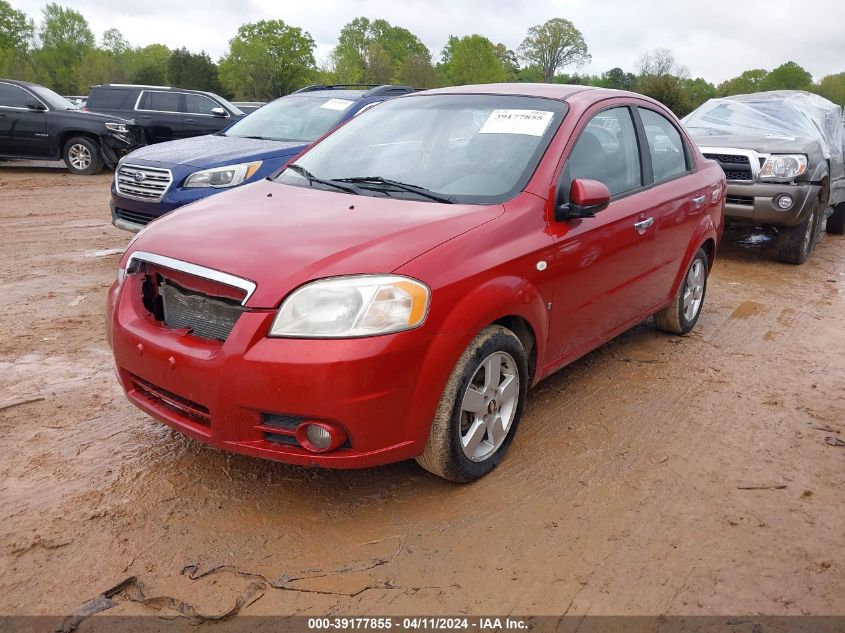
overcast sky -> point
(714, 39)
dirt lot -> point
(657, 475)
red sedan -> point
(395, 291)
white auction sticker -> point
(530, 122)
(336, 104)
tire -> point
(795, 243)
(462, 446)
(82, 156)
(836, 222)
(680, 316)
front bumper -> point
(383, 391)
(755, 203)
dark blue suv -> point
(159, 178)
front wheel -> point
(479, 409)
(82, 156)
(795, 243)
(680, 316)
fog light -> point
(784, 202)
(319, 437)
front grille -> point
(142, 183)
(135, 217)
(286, 425)
(170, 401)
(207, 317)
(742, 200)
(737, 167)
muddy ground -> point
(658, 475)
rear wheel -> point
(680, 316)
(82, 156)
(836, 222)
(480, 408)
(795, 243)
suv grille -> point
(735, 166)
(135, 217)
(207, 317)
(142, 183)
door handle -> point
(698, 201)
(144, 116)
(642, 226)
(190, 120)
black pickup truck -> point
(165, 113)
(38, 124)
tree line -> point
(269, 58)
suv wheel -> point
(480, 408)
(836, 222)
(680, 316)
(795, 243)
(82, 156)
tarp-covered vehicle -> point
(782, 153)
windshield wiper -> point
(421, 191)
(299, 169)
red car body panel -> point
(573, 284)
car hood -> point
(281, 236)
(214, 150)
(762, 143)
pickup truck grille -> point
(737, 168)
(142, 183)
(207, 317)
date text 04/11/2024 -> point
(417, 623)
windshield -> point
(54, 101)
(467, 148)
(292, 118)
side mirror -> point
(586, 198)
(36, 105)
(218, 112)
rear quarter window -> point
(159, 101)
(108, 98)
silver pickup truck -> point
(782, 153)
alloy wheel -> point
(79, 156)
(694, 290)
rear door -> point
(200, 117)
(603, 265)
(161, 114)
(23, 131)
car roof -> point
(338, 94)
(549, 91)
(150, 87)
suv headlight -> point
(117, 128)
(226, 176)
(783, 166)
(354, 306)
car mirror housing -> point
(218, 112)
(586, 198)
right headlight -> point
(783, 167)
(353, 306)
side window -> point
(159, 101)
(199, 104)
(14, 97)
(607, 151)
(668, 158)
(108, 98)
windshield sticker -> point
(530, 122)
(336, 104)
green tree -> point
(662, 78)
(747, 82)
(530, 75)
(472, 59)
(554, 45)
(16, 34)
(417, 71)
(66, 39)
(267, 59)
(148, 65)
(698, 91)
(114, 43)
(833, 87)
(377, 52)
(193, 70)
(618, 79)
(509, 61)
(788, 76)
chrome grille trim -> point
(136, 258)
(741, 166)
(152, 188)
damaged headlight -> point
(226, 176)
(783, 167)
(117, 128)
(354, 306)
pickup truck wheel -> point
(795, 243)
(82, 156)
(836, 222)
(480, 408)
(680, 316)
